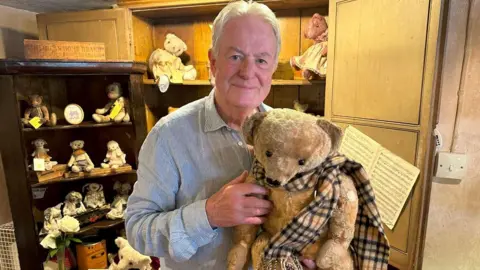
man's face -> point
(245, 63)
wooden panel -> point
(390, 88)
(384, 79)
(164, 8)
(112, 27)
(283, 96)
(314, 96)
(142, 38)
(17, 178)
(202, 43)
(289, 21)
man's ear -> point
(213, 61)
(251, 124)
(335, 133)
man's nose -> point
(248, 68)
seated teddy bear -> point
(129, 257)
(165, 64)
(318, 197)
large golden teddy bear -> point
(323, 204)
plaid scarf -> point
(369, 247)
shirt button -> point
(240, 143)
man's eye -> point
(235, 57)
(261, 61)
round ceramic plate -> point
(73, 114)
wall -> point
(15, 25)
(453, 235)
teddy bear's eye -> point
(301, 162)
(268, 153)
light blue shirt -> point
(187, 157)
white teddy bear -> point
(129, 257)
(166, 65)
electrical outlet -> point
(451, 165)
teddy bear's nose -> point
(273, 183)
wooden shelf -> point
(155, 10)
(67, 67)
(102, 224)
(88, 124)
(274, 82)
(76, 178)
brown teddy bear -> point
(313, 62)
(323, 204)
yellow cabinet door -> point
(110, 26)
(382, 79)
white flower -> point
(49, 241)
(68, 224)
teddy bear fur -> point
(166, 61)
(129, 257)
(289, 136)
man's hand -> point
(308, 264)
(232, 205)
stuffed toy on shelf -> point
(323, 203)
(313, 62)
(129, 258)
(166, 65)
(38, 109)
(117, 107)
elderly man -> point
(185, 201)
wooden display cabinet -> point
(61, 83)
(382, 77)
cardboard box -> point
(64, 50)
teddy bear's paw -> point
(334, 256)
(237, 257)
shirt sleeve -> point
(155, 225)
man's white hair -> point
(241, 8)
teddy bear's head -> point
(317, 28)
(129, 257)
(112, 146)
(73, 197)
(174, 45)
(287, 142)
(39, 143)
(77, 144)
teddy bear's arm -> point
(243, 238)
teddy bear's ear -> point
(333, 131)
(251, 124)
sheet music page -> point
(392, 180)
(359, 147)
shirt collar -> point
(213, 121)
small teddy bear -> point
(51, 217)
(314, 61)
(79, 160)
(73, 204)
(38, 109)
(166, 63)
(94, 198)
(119, 203)
(318, 196)
(115, 157)
(41, 153)
(129, 257)
(114, 94)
